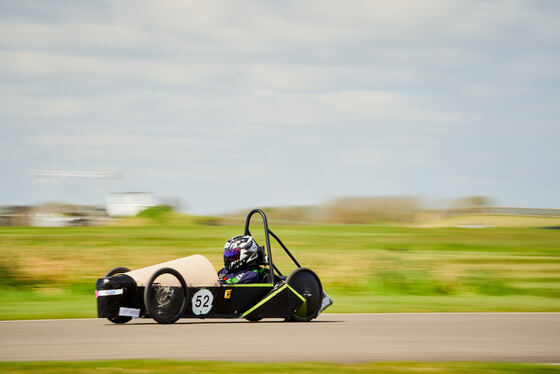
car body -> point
(188, 287)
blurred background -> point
(408, 151)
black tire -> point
(117, 270)
(165, 304)
(253, 319)
(119, 320)
(308, 285)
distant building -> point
(52, 215)
(15, 215)
(128, 203)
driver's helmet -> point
(240, 252)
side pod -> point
(281, 302)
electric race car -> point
(188, 287)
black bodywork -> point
(294, 298)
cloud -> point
(120, 140)
(194, 92)
(31, 63)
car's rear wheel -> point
(119, 320)
(308, 285)
(165, 299)
(117, 270)
(114, 271)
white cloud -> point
(121, 140)
(364, 157)
(205, 89)
(30, 35)
(31, 63)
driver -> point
(241, 261)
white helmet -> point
(240, 251)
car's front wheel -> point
(165, 295)
(308, 285)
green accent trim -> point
(264, 300)
(296, 293)
(251, 285)
(302, 311)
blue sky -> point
(231, 105)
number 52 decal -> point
(202, 302)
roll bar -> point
(267, 234)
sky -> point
(232, 105)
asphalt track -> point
(515, 337)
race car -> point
(188, 287)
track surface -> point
(522, 337)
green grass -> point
(29, 304)
(167, 366)
(65, 304)
(51, 272)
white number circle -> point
(202, 302)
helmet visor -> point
(231, 255)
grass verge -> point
(51, 272)
(20, 305)
(167, 366)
